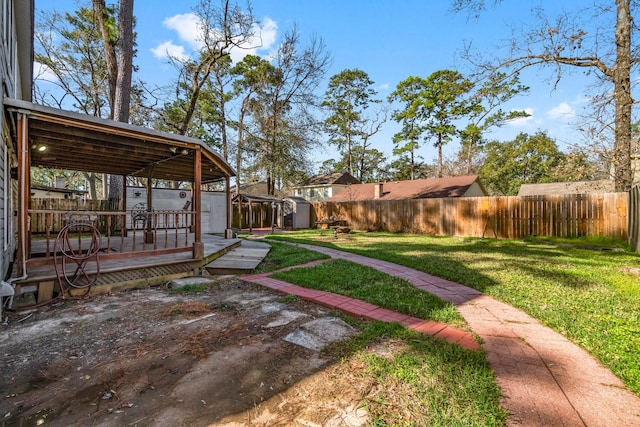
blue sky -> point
(390, 40)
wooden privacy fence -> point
(634, 218)
(603, 214)
(40, 222)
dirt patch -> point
(155, 357)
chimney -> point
(377, 190)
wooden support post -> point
(23, 191)
(119, 223)
(148, 234)
(198, 246)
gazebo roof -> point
(65, 140)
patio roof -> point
(252, 198)
(85, 143)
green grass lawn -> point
(367, 284)
(585, 289)
(423, 380)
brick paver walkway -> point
(545, 379)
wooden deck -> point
(118, 270)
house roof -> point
(455, 186)
(337, 178)
(578, 187)
(85, 143)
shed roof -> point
(80, 142)
(296, 199)
(577, 187)
(455, 186)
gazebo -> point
(52, 138)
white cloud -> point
(187, 26)
(169, 50)
(562, 111)
(262, 43)
(523, 121)
(43, 73)
(189, 32)
(384, 86)
(268, 33)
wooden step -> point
(243, 259)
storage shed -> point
(297, 212)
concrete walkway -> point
(545, 379)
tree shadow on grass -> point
(477, 263)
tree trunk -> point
(122, 96)
(100, 9)
(623, 99)
(120, 71)
(470, 153)
(413, 164)
(91, 179)
(240, 143)
(439, 156)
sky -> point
(388, 39)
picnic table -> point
(332, 222)
(338, 225)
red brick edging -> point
(365, 310)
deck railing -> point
(119, 232)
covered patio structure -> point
(51, 138)
(253, 211)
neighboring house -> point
(321, 187)
(16, 65)
(457, 186)
(557, 188)
(43, 192)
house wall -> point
(319, 193)
(37, 193)
(11, 86)
(8, 49)
(314, 194)
(474, 191)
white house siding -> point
(319, 193)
